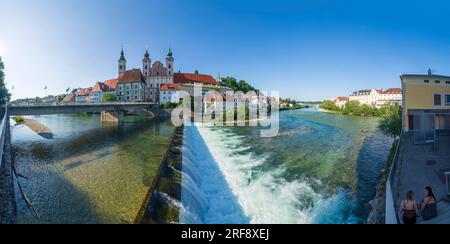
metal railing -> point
(3, 125)
(391, 212)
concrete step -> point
(443, 209)
(441, 219)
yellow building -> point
(426, 105)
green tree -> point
(391, 120)
(242, 85)
(108, 97)
(38, 100)
(5, 96)
(329, 105)
(352, 107)
(231, 83)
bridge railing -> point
(3, 125)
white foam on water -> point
(235, 192)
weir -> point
(206, 197)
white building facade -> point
(377, 98)
(167, 91)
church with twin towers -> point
(143, 85)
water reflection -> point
(91, 172)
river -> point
(321, 168)
(91, 172)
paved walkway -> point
(421, 166)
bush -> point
(107, 97)
(329, 105)
(19, 119)
(391, 120)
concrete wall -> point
(115, 117)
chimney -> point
(429, 72)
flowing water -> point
(321, 168)
(91, 172)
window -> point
(426, 81)
(437, 100)
(447, 100)
(146, 66)
(135, 97)
(437, 81)
(447, 82)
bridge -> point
(111, 112)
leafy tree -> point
(242, 85)
(38, 100)
(108, 97)
(352, 107)
(329, 105)
(5, 96)
(391, 120)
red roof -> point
(131, 76)
(342, 99)
(393, 91)
(170, 87)
(213, 98)
(83, 91)
(101, 87)
(195, 78)
(112, 83)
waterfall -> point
(225, 182)
(205, 194)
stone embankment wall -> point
(162, 203)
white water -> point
(221, 186)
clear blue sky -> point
(308, 50)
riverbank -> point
(293, 108)
(335, 112)
(159, 208)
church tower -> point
(146, 64)
(122, 63)
(169, 62)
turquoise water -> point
(91, 172)
(321, 168)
